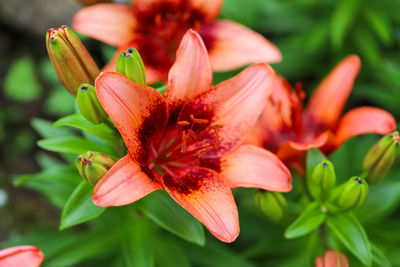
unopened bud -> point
(380, 159)
(93, 165)
(322, 180)
(272, 204)
(72, 62)
(131, 65)
(353, 193)
(331, 258)
(89, 104)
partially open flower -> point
(72, 62)
(285, 129)
(188, 141)
(21, 256)
(93, 165)
(331, 258)
(155, 28)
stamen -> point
(199, 121)
(204, 149)
(184, 141)
(158, 19)
(183, 123)
(300, 91)
(217, 141)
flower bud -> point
(331, 258)
(72, 62)
(322, 180)
(272, 204)
(93, 165)
(381, 157)
(131, 65)
(353, 193)
(89, 105)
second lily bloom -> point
(188, 141)
(289, 131)
(155, 28)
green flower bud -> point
(322, 180)
(131, 65)
(381, 157)
(93, 165)
(89, 104)
(353, 193)
(272, 204)
(72, 62)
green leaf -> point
(164, 211)
(314, 157)
(137, 246)
(21, 83)
(379, 22)
(45, 129)
(342, 20)
(379, 257)
(348, 230)
(79, 207)
(78, 121)
(163, 256)
(71, 145)
(56, 183)
(309, 220)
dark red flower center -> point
(182, 145)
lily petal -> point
(123, 184)
(328, 100)
(363, 120)
(191, 73)
(282, 111)
(232, 45)
(204, 194)
(138, 111)
(28, 256)
(293, 150)
(235, 104)
(209, 8)
(251, 166)
(113, 24)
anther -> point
(158, 19)
(204, 149)
(183, 123)
(300, 91)
(199, 121)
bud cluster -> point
(93, 165)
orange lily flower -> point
(331, 258)
(155, 28)
(21, 256)
(192, 135)
(289, 132)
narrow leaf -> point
(350, 232)
(164, 211)
(78, 121)
(71, 145)
(309, 220)
(79, 207)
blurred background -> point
(313, 36)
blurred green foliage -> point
(313, 36)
